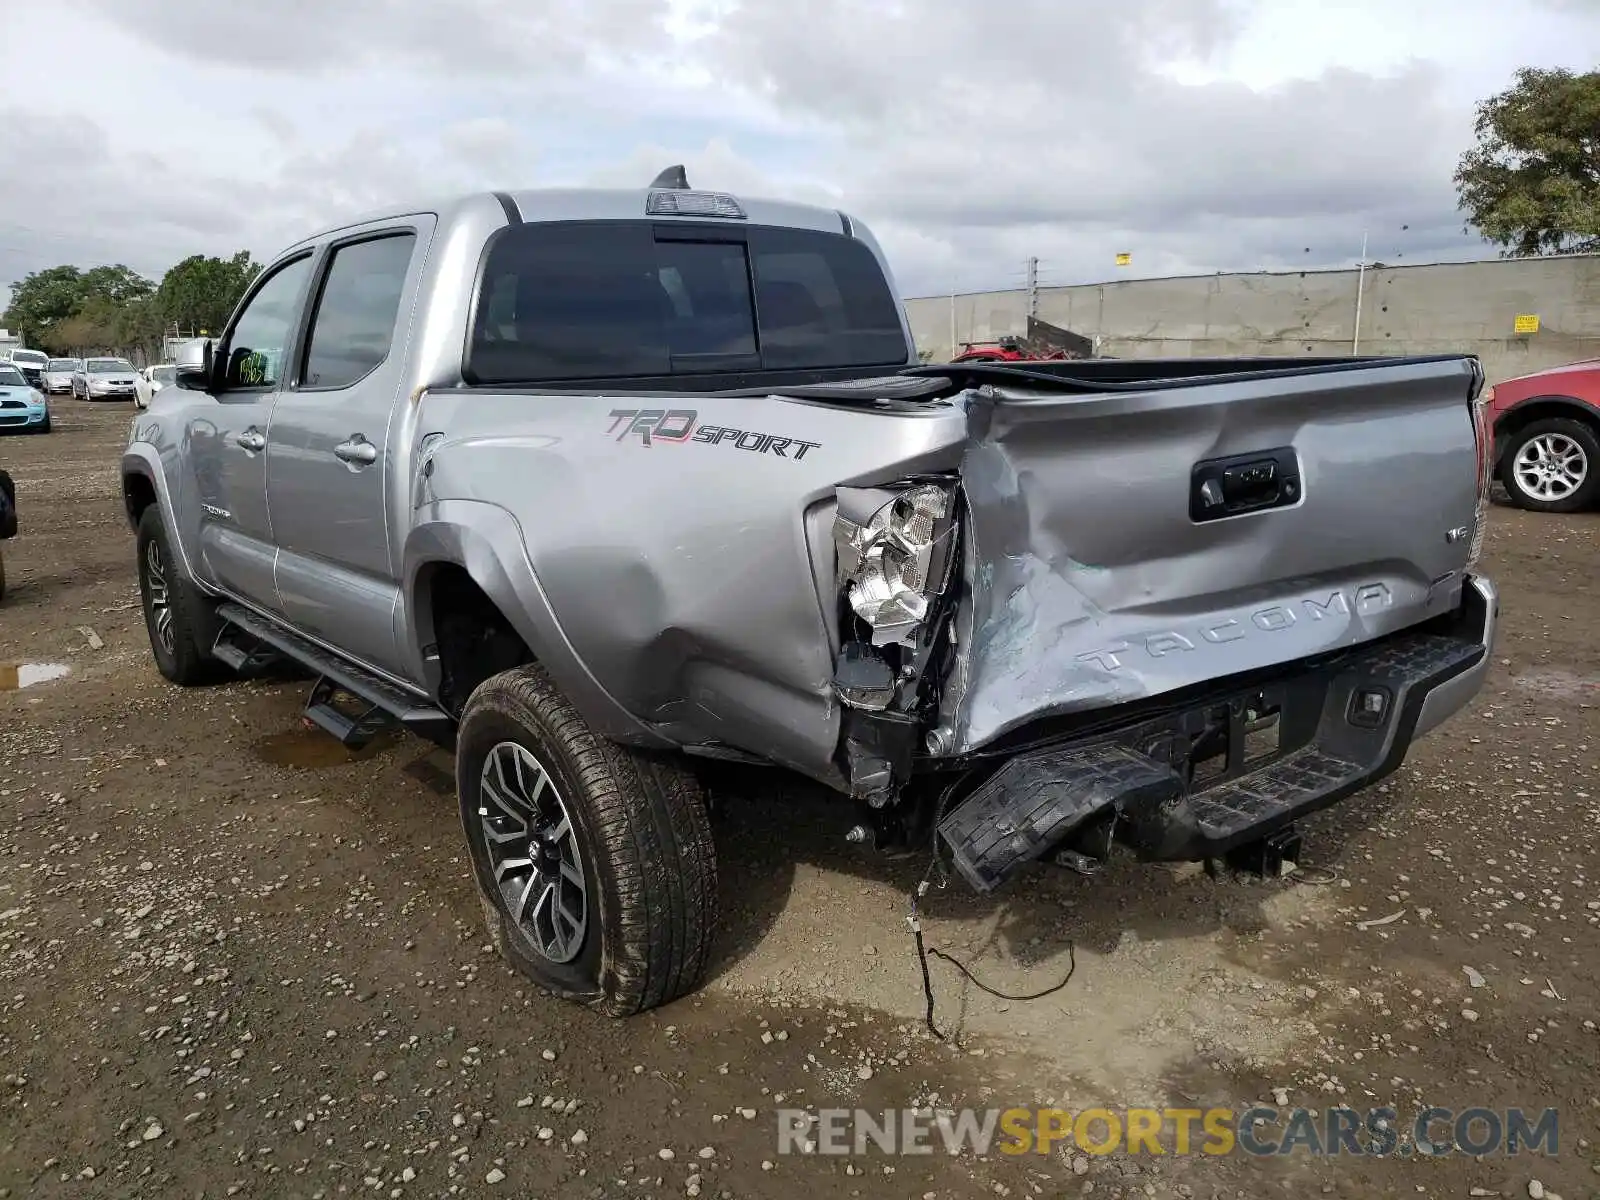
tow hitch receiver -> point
(1267, 856)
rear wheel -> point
(1553, 466)
(177, 617)
(595, 864)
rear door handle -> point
(357, 450)
(252, 439)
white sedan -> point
(151, 380)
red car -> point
(1547, 437)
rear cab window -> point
(562, 302)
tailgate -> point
(1123, 545)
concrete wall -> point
(1439, 308)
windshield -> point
(62, 364)
(31, 358)
(11, 377)
(109, 366)
(164, 374)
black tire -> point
(45, 428)
(641, 835)
(181, 644)
(1553, 432)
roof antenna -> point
(672, 177)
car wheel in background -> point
(1553, 466)
(595, 863)
(176, 616)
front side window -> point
(354, 323)
(256, 345)
(567, 301)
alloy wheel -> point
(1550, 467)
(160, 596)
(533, 852)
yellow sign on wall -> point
(1526, 323)
(1124, 259)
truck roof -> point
(603, 204)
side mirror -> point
(193, 361)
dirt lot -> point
(236, 960)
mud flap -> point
(1029, 805)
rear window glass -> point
(592, 300)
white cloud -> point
(1198, 134)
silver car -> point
(105, 379)
(58, 373)
(596, 485)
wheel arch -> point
(144, 484)
(469, 555)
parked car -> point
(151, 380)
(1547, 437)
(596, 485)
(58, 373)
(31, 363)
(22, 406)
(106, 379)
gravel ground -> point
(236, 959)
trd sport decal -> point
(675, 425)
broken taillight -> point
(1483, 436)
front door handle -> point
(252, 439)
(357, 450)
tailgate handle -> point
(1244, 483)
(1250, 483)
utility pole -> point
(1361, 283)
(1033, 286)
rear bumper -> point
(1341, 724)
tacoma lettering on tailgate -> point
(1368, 598)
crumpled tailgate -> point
(1095, 574)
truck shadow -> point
(768, 824)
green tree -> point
(40, 300)
(64, 309)
(1532, 183)
(119, 285)
(200, 292)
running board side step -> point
(380, 702)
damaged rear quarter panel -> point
(676, 558)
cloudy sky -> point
(1199, 135)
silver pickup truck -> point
(591, 485)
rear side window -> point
(822, 301)
(354, 323)
(570, 301)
